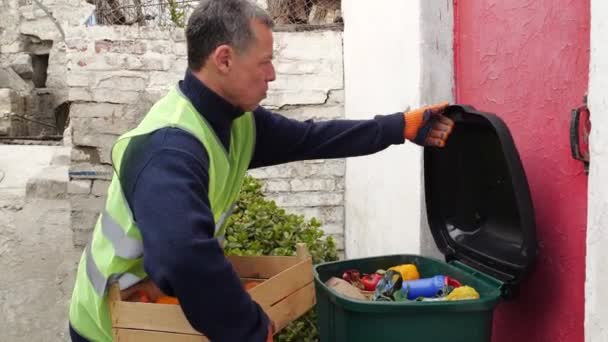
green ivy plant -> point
(259, 227)
(177, 14)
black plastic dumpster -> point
(481, 216)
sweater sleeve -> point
(181, 256)
(280, 139)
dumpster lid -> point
(477, 198)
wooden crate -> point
(286, 293)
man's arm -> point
(280, 139)
(171, 207)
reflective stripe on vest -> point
(100, 283)
(124, 246)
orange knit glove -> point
(427, 126)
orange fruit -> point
(251, 284)
(167, 300)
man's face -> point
(252, 69)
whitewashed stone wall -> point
(27, 33)
(116, 73)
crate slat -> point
(150, 316)
(283, 284)
(129, 335)
(264, 267)
(292, 307)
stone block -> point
(124, 82)
(307, 169)
(105, 153)
(97, 110)
(178, 34)
(134, 47)
(165, 47)
(79, 79)
(10, 79)
(79, 187)
(336, 96)
(5, 127)
(333, 214)
(329, 168)
(276, 186)
(307, 199)
(314, 112)
(313, 184)
(77, 44)
(12, 47)
(113, 95)
(84, 154)
(41, 27)
(102, 62)
(181, 49)
(11, 102)
(87, 203)
(339, 239)
(340, 184)
(100, 188)
(22, 65)
(85, 62)
(61, 157)
(164, 79)
(90, 171)
(148, 62)
(80, 94)
(278, 97)
(278, 171)
(180, 64)
(84, 127)
(147, 33)
(333, 229)
(324, 214)
(307, 212)
(93, 139)
(82, 222)
(49, 183)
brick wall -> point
(116, 73)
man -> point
(179, 172)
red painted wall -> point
(528, 61)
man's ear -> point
(222, 58)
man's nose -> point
(271, 74)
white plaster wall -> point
(437, 80)
(596, 296)
(382, 68)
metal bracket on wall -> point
(580, 128)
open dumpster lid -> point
(477, 198)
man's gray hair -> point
(217, 22)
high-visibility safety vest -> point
(115, 252)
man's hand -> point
(427, 126)
(271, 331)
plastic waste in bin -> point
(481, 217)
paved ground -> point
(19, 163)
(37, 259)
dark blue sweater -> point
(165, 179)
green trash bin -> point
(481, 217)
